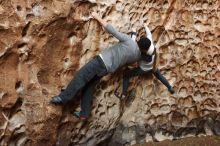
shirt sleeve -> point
(148, 33)
(149, 36)
(120, 36)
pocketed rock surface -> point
(44, 42)
(189, 141)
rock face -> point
(44, 42)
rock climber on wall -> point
(126, 51)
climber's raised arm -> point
(109, 28)
(149, 36)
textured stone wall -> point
(44, 42)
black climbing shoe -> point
(79, 116)
(171, 90)
(56, 100)
(120, 96)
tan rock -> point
(43, 44)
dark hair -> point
(144, 44)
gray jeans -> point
(86, 78)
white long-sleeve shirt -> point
(143, 64)
(149, 36)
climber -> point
(147, 65)
(126, 51)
